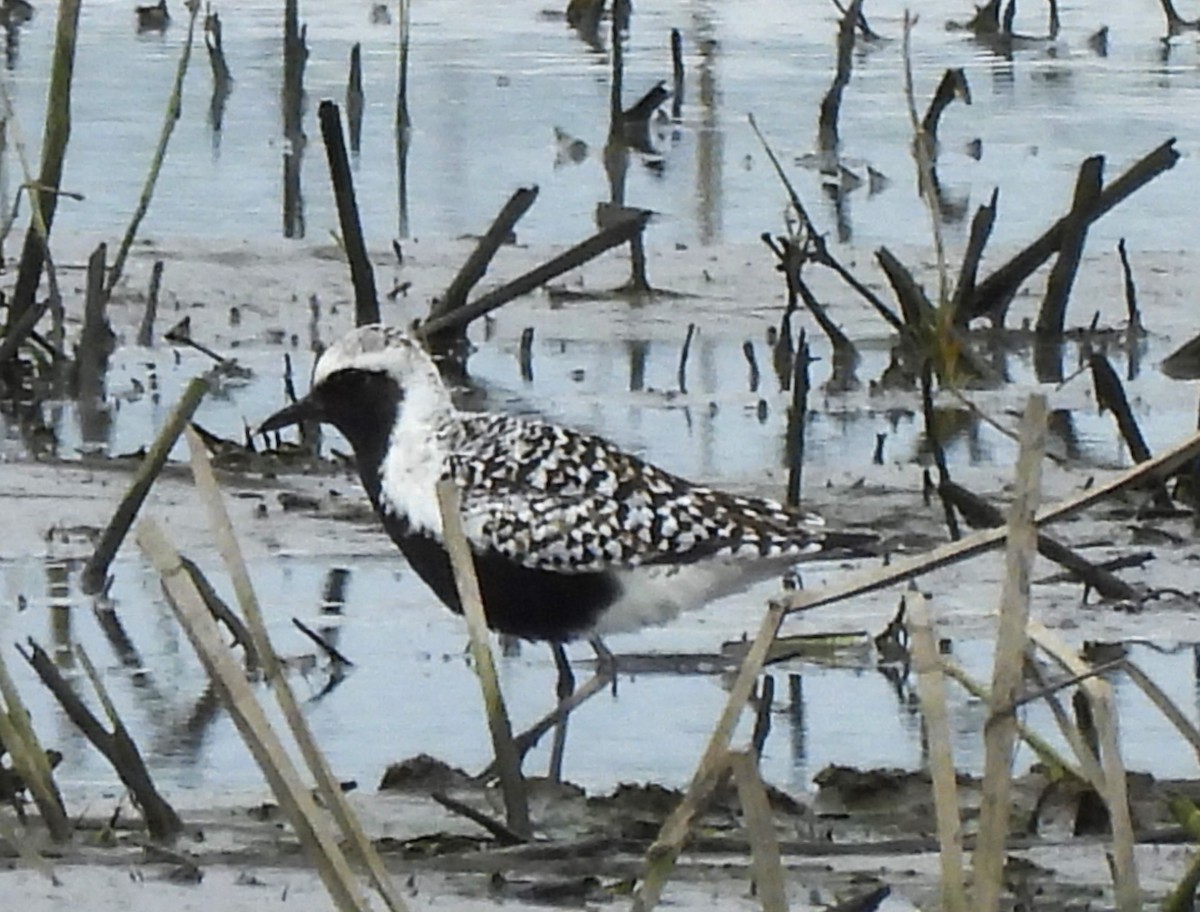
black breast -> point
(533, 604)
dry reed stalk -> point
(931, 687)
(174, 108)
(327, 783)
(760, 827)
(227, 676)
(508, 762)
(121, 751)
(1008, 673)
(95, 571)
(922, 149)
(1113, 790)
(404, 30)
(1057, 765)
(661, 856)
(978, 542)
(43, 195)
(29, 758)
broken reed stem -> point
(146, 329)
(1008, 673)
(508, 763)
(403, 120)
(676, 75)
(827, 120)
(29, 758)
(1131, 304)
(362, 275)
(922, 149)
(931, 687)
(978, 542)
(660, 858)
(1057, 765)
(993, 295)
(43, 197)
(981, 514)
(1053, 313)
(1112, 783)
(310, 826)
(174, 108)
(528, 739)
(476, 265)
(598, 243)
(327, 784)
(766, 864)
(681, 373)
(95, 572)
(162, 821)
(797, 421)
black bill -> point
(303, 410)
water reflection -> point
(295, 56)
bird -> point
(571, 535)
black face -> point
(361, 404)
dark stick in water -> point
(366, 302)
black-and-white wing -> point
(556, 499)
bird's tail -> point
(849, 544)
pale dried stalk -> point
(508, 761)
(311, 828)
(977, 542)
(29, 758)
(327, 782)
(923, 153)
(760, 826)
(1100, 695)
(1055, 762)
(1008, 674)
(660, 858)
(931, 687)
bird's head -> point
(364, 382)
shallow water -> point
(488, 85)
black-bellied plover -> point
(571, 535)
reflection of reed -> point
(710, 140)
(295, 55)
(355, 99)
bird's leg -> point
(564, 689)
(606, 662)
